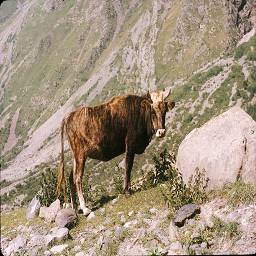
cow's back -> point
(103, 129)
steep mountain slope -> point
(57, 54)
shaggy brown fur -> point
(124, 124)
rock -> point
(102, 210)
(119, 231)
(61, 234)
(66, 218)
(33, 208)
(57, 234)
(153, 211)
(91, 216)
(225, 147)
(77, 248)
(122, 219)
(130, 213)
(203, 245)
(80, 254)
(185, 212)
(176, 248)
(47, 253)
(49, 213)
(34, 251)
(173, 232)
(37, 240)
(196, 248)
(129, 224)
(15, 244)
(114, 200)
(58, 248)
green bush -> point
(48, 184)
(118, 183)
(175, 191)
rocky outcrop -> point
(225, 147)
(241, 15)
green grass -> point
(221, 97)
(10, 221)
(184, 93)
(202, 77)
(247, 49)
(238, 193)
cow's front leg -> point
(128, 167)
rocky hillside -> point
(139, 225)
(56, 55)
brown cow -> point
(124, 124)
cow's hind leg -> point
(78, 176)
(128, 167)
(72, 189)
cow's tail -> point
(61, 181)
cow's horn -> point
(166, 93)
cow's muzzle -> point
(160, 133)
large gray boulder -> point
(225, 147)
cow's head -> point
(159, 107)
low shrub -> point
(48, 183)
(161, 172)
(174, 190)
(118, 183)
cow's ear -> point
(170, 105)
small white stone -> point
(153, 210)
(130, 213)
(114, 200)
(130, 223)
(91, 216)
(80, 254)
(58, 248)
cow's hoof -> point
(86, 211)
